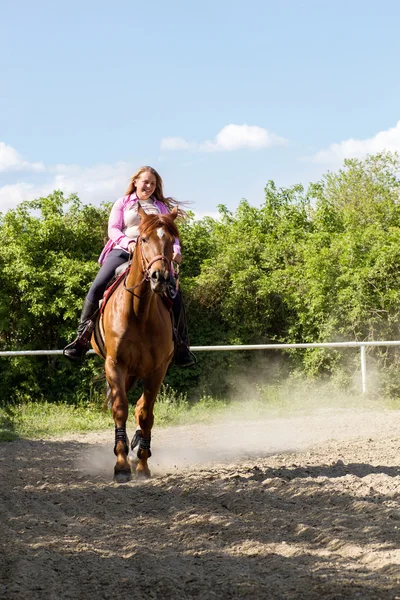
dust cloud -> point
(251, 428)
(201, 445)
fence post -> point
(363, 369)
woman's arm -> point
(116, 223)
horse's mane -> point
(151, 222)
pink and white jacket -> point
(116, 224)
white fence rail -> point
(361, 345)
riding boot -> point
(78, 348)
(183, 357)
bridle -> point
(146, 264)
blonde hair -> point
(158, 192)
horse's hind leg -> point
(145, 419)
(116, 378)
(130, 382)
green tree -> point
(48, 257)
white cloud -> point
(92, 184)
(351, 148)
(11, 160)
(231, 137)
(234, 137)
(13, 194)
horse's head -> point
(156, 239)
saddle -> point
(120, 274)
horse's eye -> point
(145, 240)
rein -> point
(145, 269)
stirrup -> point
(184, 357)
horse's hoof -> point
(122, 476)
(143, 474)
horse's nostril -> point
(160, 277)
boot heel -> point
(76, 350)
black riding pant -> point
(106, 272)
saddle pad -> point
(111, 289)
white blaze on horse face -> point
(160, 232)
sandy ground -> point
(300, 507)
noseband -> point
(146, 264)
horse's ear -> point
(141, 212)
(174, 212)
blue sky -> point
(219, 96)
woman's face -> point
(145, 185)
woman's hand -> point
(177, 257)
(131, 246)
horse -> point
(138, 338)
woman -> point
(123, 230)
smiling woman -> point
(145, 191)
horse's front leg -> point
(116, 378)
(145, 418)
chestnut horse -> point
(137, 335)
